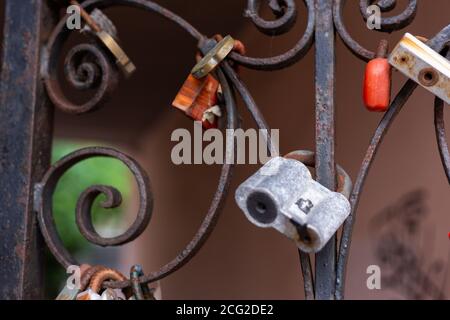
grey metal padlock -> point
(283, 195)
(103, 22)
(423, 65)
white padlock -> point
(423, 65)
(283, 195)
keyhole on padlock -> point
(262, 207)
(303, 233)
(307, 239)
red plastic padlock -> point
(377, 81)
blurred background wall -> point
(403, 219)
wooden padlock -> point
(198, 99)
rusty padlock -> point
(198, 99)
(95, 286)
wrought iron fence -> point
(30, 89)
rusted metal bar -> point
(26, 121)
(325, 265)
(441, 136)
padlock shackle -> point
(308, 158)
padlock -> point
(283, 195)
(141, 291)
(213, 58)
(103, 28)
(377, 81)
(198, 99)
(95, 286)
(423, 65)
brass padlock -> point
(99, 24)
(423, 65)
(213, 58)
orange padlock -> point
(377, 81)
(198, 99)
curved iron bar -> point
(83, 218)
(283, 24)
(441, 137)
(437, 43)
(388, 24)
(215, 208)
(86, 67)
(286, 13)
(85, 202)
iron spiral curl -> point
(387, 24)
(48, 186)
(86, 67)
(286, 13)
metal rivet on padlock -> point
(283, 195)
(377, 81)
(96, 283)
(198, 99)
(423, 65)
(213, 58)
(104, 29)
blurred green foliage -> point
(99, 170)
